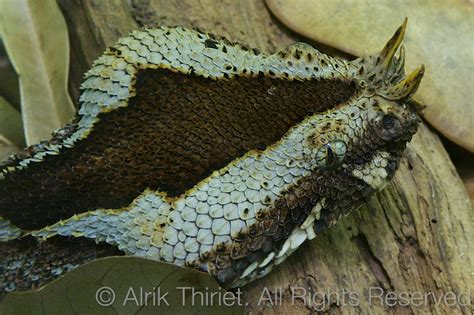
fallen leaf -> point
(7, 148)
(125, 285)
(9, 85)
(10, 123)
(36, 40)
(439, 35)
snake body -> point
(195, 151)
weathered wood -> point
(412, 237)
(93, 26)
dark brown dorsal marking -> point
(174, 133)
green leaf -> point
(36, 40)
(130, 279)
(10, 123)
(6, 148)
(9, 83)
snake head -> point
(365, 137)
(392, 118)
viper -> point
(207, 154)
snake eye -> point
(331, 153)
(330, 159)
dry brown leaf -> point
(439, 35)
(36, 40)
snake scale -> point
(203, 153)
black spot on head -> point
(297, 54)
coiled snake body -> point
(206, 154)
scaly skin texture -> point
(195, 151)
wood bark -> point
(415, 236)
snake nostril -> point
(388, 121)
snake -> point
(196, 151)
